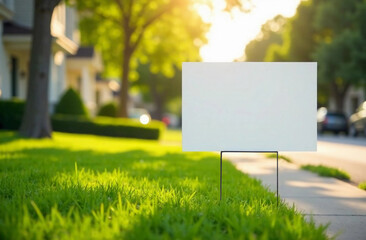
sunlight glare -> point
(144, 119)
(230, 32)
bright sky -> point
(230, 33)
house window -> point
(14, 77)
(97, 97)
(79, 85)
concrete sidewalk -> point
(327, 200)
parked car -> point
(171, 120)
(331, 121)
(358, 121)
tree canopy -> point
(159, 89)
(299, 36)
(163, 33)
(271, 32)
(331, 32)
(342, 45)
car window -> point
(335, 118)
(339, 115)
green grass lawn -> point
(327, 171)
(283, 157)
(89, 187)
(362, 185)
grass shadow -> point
(8, 136)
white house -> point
(106, 91)
(78, 71)
(354, 97)
(16, 44)
(6, 13)
(82, 74)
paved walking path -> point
(327, 200)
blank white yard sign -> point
(247, 106)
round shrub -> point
(108, 110)
(71, 104)
(11, 113)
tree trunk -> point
(123, 99)
(36, 122)
(159, 111)
(158, 99)
(339, 95)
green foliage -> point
(362, 185)
(158, 88)
(106, 126)
(299, 42)
(89, 187)
(342, 45)
(298, 36)
(332, 33)
(340, 59)
(271, 33)
(108, 110)
(283, 157)
(161, 33)
(11, 113)
(71, 104)
(327, 171)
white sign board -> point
(249, 106)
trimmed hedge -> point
(11, 113)
(108, 110)
(71, 104)
(105, 126)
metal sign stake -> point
(221, 152)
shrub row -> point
(105, 126)
(11, 112)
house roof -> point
(83, 52)
(85, 56)
(12, 28)
(5, 12)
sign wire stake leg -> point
(220, 175)
(277, 177)
(277, 191)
